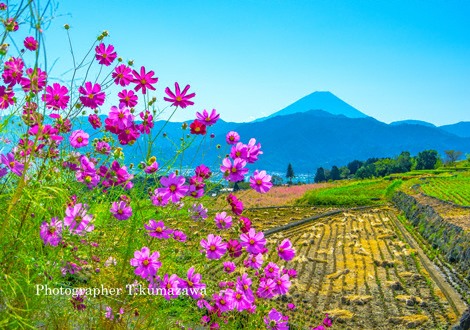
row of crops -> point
(357, 268)
(454, 189)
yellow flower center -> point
(145, 262)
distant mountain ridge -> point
(412, 122)
(325, 101)
(461, 129)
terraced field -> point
(357, 267)
(454, 189)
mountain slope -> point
(325, 101)
(412, 122)
(461, 129)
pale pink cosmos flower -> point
(179, 98)
(233, 172)
(261, 182)
(12, 164)
(214, 246)
(147, 264)
(77, 219)
(206, 118)
(223, 221)
(78, 138)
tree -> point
(354, 166)
(276, 180)
(320, 175)
(344, 172)
(365, 172)
(426, 160)
(290, 173)
(404, 162)
(452, 156)
(334, 174)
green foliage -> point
(426, 160)
(334, 174)
(355, 193)
(320, 175)
(290, 173)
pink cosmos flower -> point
(254, 261)
(170, 286)
(202, 171)
(13, 71)
(198, 212)
(12, 164)
(240, 301)
(103, 148)
(121, 210)
(34, 81)
(214, 246)
(223, 300)
(291, 306)
(244, 285)
(152, 168)
(158, 229)
(239, 150)
(77, 219)
(261, 182)
(253, 241)
(178, 98)
(122, 75)
(206, 118)
(193, 284)
(285, 250)
(144, 80)
(275, 321)
(195, 192)
(127, 98)
(105, 54)
(174, 187)
(121, 118)
(91, 95)
(254, 150)
(147, 265)
(223, 221)
(147, 122)
(179, 236)
(109, 313)
(198, 128)
(6, 97)
(229, 267)
(282, 284)
(271, 270)
(327, 322)
(10, 24)
(56, 97)
(235, 172)
(160, 198)
(95, 121)
(86, 173)
(51, 233)
(266, 288)
(245, 224)
(234, 248)
(232, 137)
(78, 138)
(31, 43)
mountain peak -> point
(320, 100)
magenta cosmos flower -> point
(271, 270)
(253, 241)
(56, 97)
(178, 98)
(174, 187)
(91, 95)
(147, 265)
(170, 286)
(51, 233)
(285, 250)
(31, 43)
(77, 219)
(6, 97)
(233, 172)
(127, 98)
(105, 54)
(144, 80)
(158, 229)
(261, 182)
(206, 118)
(34, 81)
(121, 210)
(78, 138)
(275, 321)
(13, 165)
(193, 284)
(229, 267)
(232, 137)
(122, 75)
(214, 246)
(254, 261)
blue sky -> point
(392, 60)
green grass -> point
(352, 193)
(454, 188)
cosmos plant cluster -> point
(27, 89)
